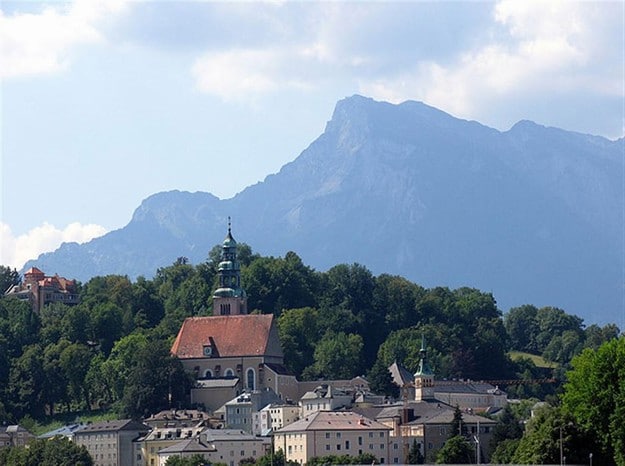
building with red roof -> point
(40, 289)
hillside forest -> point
(111, 352)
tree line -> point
(111, 351)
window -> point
(208, 374)
(328, 447)
(229, 373)
(338, 446)
(251, 379)
(208, 350)
(338, 435)
(359, 440)
(347, 444)
(327, 434)
(381, 434)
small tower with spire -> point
(229, 298)
(424, 377)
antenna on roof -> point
(229, 225)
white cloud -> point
(15, 251)
(535, 48)
(40, 43)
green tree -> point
(27, 383)
(595, 336)
(299, 332)
(396, 299)
(381, 381)
(549, 431)
(595, 397)
(337, 356)
(8, 278)
(156, 381)
(194, 460)
(57, 451)
(275, 458)
(414, 454)
(505, 451)
(457, 450)
(508, 428)
(75, 361)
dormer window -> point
(207, 351)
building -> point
(466, 394)
(327, 433)
(324, 398)
(424, 417)
(228, 446)
(38, 289)
(275, 416)
(240, 411)
(111, 443)
(14, 436)
(179, 418)
(160, 438)
(232, 351)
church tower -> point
(229, 298)
(424, 377)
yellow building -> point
(327, 433)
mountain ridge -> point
(464, 204)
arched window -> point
(208, 374)
(251, 379)
(229, 373)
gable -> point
(230, 336)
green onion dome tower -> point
(230, 297)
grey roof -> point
(217, 383)
(401, 376)
(65, 431)
(236, 435)
(186, 446)
(112, 426)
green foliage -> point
(8, 278)
(275, 458)
(545, 433)
(505, 451)
(458, 427)
(381, 381)
(414, 454)
(57, 451)
(364, 458)
(194, 460)
(457, 450)
(508, 428)
(595, 397)
(299, 333)
(337, 356)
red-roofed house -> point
(39, 289)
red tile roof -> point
(233, 336)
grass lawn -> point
(538, 360)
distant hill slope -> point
(533, 214)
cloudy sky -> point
(105, 103)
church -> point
(232, 351)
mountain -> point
(533, 214)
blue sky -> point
(105, 103)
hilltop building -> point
(466, 394)
(232, 351)
(38, 289)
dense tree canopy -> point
(335, 324)
(595, 397)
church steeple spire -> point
(230, 297)
(424, 377)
